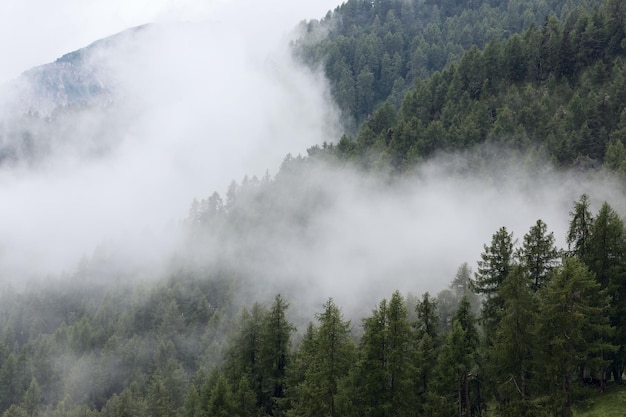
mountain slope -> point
(558, 88)
(372, 51)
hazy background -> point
(211, 94)
(207, 95)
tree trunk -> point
(468, 409)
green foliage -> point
(369, 50)
(575, 330)
(538, 255)
(493, 268)
(557, 87)
(510, 358)
(327, 354)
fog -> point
(195, 105)
(361, 237)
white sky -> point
(35, 32)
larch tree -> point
(538, 254)
(575, 330)
(275, 354)
(511, 355)
(607, 260)
(494, 266)
(457, 368)
(329, 354)
(427, 341)
(579, 232)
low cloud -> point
(193, 106)
(360, 238)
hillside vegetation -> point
(534, 329)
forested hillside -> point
(534, 330)
(558, 88)
(372, 51)
(233, 324)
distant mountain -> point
(49, 108)
(77, 78)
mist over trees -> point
(275, 299)
(556, 87)
(182, 348)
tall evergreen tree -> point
(493, 267)
(607, 260)
(579, 232)
(275, 355)
(221, 403)
(538, 254)
(427, 344)
(384, 368)
(457, 369)
(243, 357)
(330, 353)
(574, 328)
(510, 357)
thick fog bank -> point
(188, 107)
(342, 234)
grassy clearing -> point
(610, 404)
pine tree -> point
(32, 399)
(579, 232)
(427, 349)
(221, 403)
(538, 255)
(607, 260)
(575, 331)
(384, 368)
(329, 354)
(494, 266)
(457, 368)
(511, 355)
(243, 357)
(275, 355)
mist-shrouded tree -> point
(244, 398)
(538, 254)
(574, 329)
(494, 266)
(580, 225)
(192, 406)
(384, 371)
(221, 403)
(426, 351)
(275, 355)
(463, 285)
(457, 369)
(243, 357)
(427, 317)
(400, 355)
(32, 399)
(329, 352)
